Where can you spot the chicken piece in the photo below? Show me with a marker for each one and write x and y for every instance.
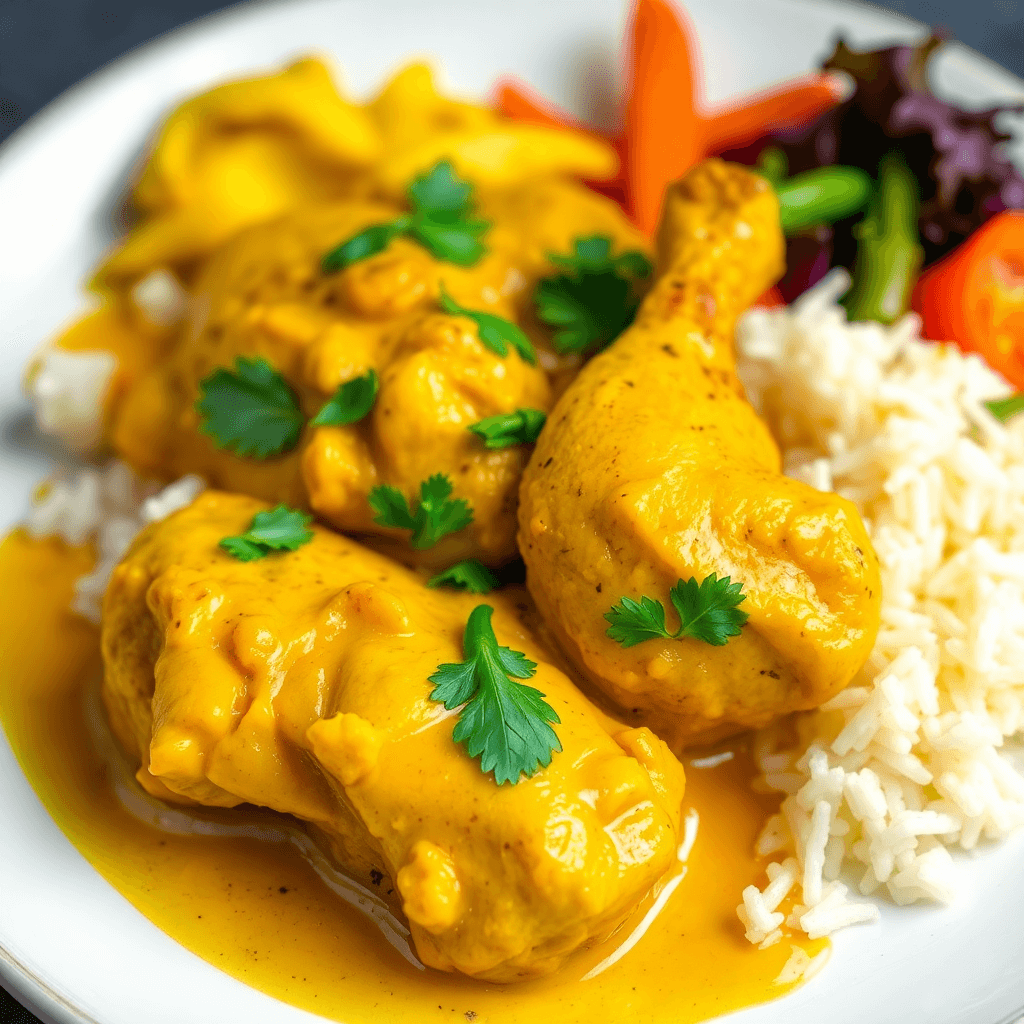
(265, 294)
(300, 682)
(419, 126)
(242, 153)
(247, 151)
(653, 468)
(287, 148)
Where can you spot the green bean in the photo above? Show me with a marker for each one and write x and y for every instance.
(773, 164)
(822, 196)
(889, 253)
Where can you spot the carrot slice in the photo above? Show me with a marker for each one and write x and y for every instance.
(771, 299)
(664, 136)
(666, 132)
(518, 101)
(781, 108)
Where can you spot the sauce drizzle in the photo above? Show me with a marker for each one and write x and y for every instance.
(240, 889)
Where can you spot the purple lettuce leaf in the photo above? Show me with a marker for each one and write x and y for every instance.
(956, 155)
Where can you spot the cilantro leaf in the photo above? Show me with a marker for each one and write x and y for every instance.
(441, 203)
(633, 622)
(457, 242)
(593, 255)
(1004, 408)
(590, 255)
(440, 221)
(441, 515)
(437, 514)
(278, 529)
(503, 722)
(634, 264)
(250, 410)
(455, 684)
(391, 507)
(495, 332)
(469, 575)
(590, 312)
(440, 194)
(707, 611)
(507, 429)
(370, 241)
(351, 402)
(593, 301)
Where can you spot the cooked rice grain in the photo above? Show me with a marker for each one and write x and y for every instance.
(108, 506)
(909, 760)
(67, 391)
(160, 298)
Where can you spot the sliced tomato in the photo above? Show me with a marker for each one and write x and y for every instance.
(975, 295)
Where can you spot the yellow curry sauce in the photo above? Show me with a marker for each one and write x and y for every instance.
(654, 468)
(259, 911)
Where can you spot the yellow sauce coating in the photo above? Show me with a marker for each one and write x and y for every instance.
(654, 468)
(258, 910)
(263, 295)
(301, 683)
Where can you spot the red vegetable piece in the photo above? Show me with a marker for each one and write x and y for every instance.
(518, 101)
(783, 108)
(975, 295)
(772, 299)
(664, 136)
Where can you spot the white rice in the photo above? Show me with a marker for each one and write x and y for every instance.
(66, 390)
(160, 298)
(108, 506)
(909, 761)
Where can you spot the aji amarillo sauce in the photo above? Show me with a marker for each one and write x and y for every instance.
(259, 911)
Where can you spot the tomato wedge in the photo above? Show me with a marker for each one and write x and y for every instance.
(975, 295)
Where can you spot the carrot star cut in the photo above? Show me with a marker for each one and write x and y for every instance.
(668, 126)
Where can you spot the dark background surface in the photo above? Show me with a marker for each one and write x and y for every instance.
(48, 45)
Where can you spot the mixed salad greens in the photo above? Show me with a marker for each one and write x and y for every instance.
(940, 176)
(914, 195)
(963, 177)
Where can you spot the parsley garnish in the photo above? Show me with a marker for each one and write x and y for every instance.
(436, 515)
(707, 611)
(440, 221)
(1004, 408)
(279, 529)
(350, 403)
(495, 332)
(372, 240)
(502, 721)
(250, 410)
(594, 301)
(593, 255)
(507, 429)
(469, 575)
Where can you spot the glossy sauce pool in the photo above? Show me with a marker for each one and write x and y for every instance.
(259, 911)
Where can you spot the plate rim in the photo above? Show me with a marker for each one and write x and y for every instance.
(21, 980)
(54, 108)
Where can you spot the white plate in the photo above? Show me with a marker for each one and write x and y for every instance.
(69, 944)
